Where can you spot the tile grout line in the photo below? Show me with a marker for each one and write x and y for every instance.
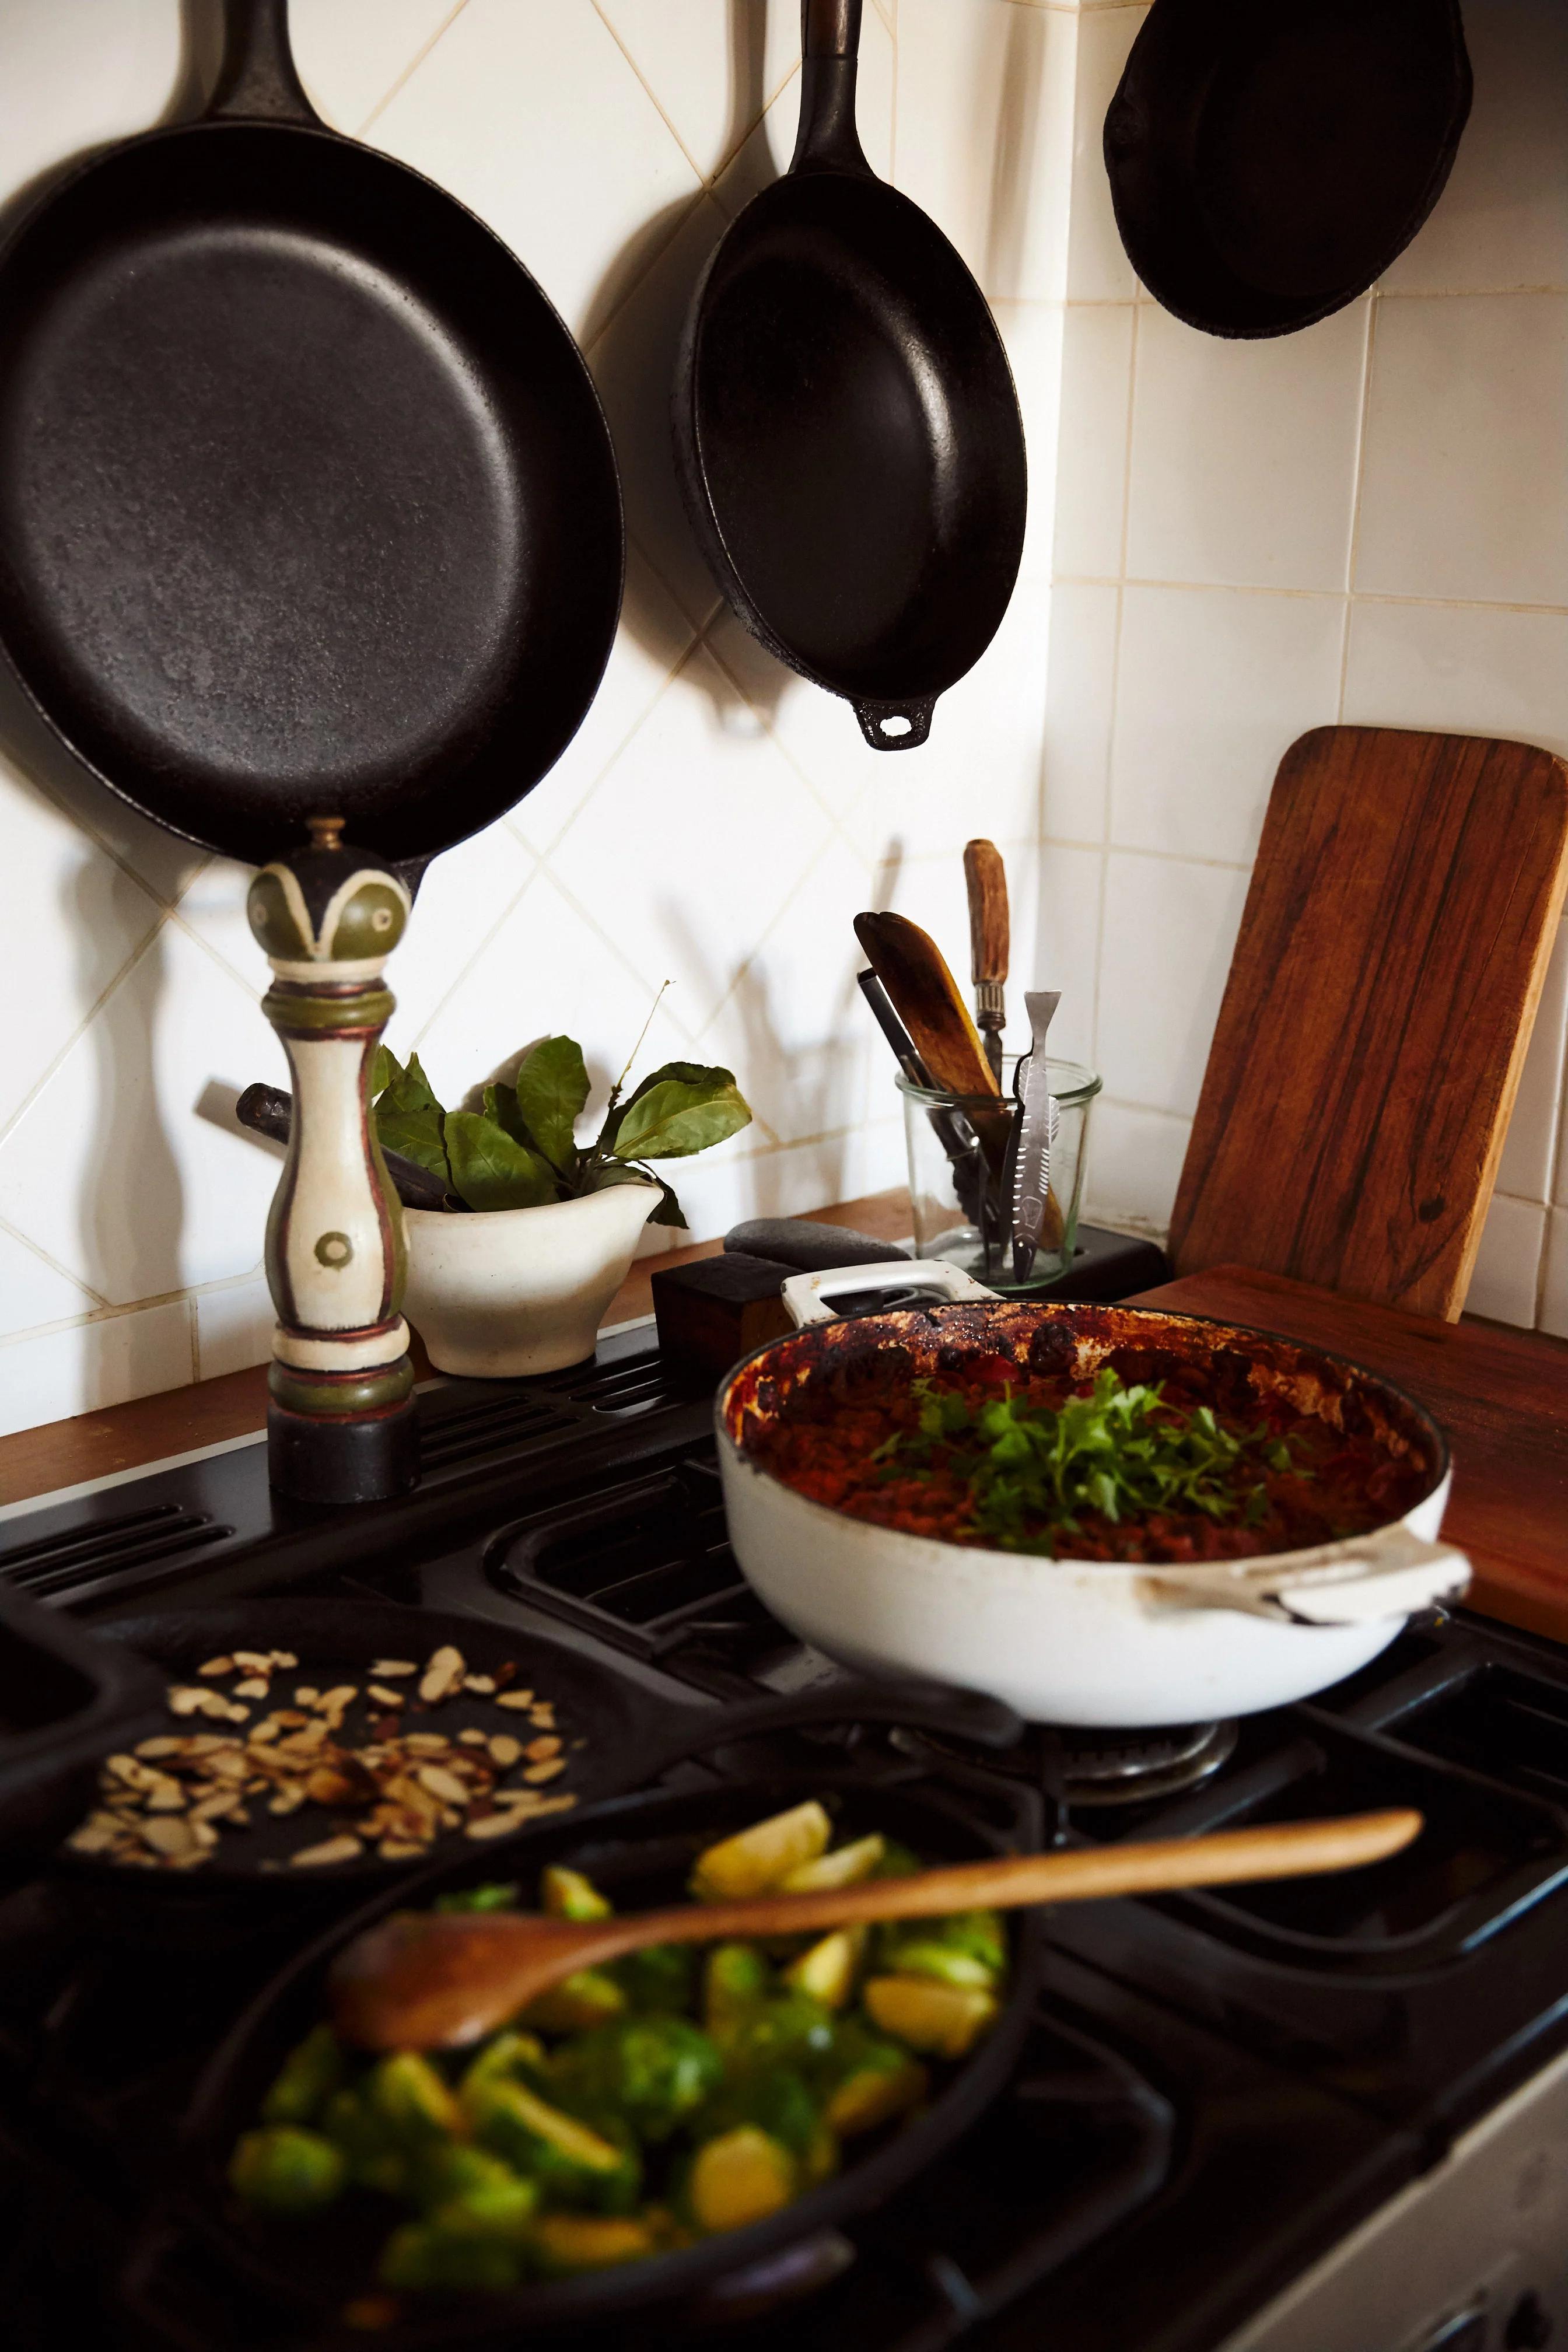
(411, 69)
(8, 1126)
(36, 1249)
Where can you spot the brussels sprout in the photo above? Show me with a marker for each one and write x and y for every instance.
(967, 1948)
(422, 2255)
(288, 2169)
(577, 2003)
(454, 2168)
(652, 2070)
(311, 2071)
(741, 2177)
(846, 1867)
(735, 1979)
(882, 2082)
(491, 2209)
(567, 1894)
(375, 2158)
(660, 1980)
(572, 2163)
(504, 2058)
(791, 2029)
(492, 1896)
(404, 2090)
(564, 2243)
(756, 1859)
(898, 1860)
(943, 2019)
(827, 1971)
(779, 2102)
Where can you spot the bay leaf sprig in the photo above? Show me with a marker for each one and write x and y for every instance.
(520, 1150)
(1033, 1472)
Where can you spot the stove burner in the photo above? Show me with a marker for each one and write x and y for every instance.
(1095, 1769)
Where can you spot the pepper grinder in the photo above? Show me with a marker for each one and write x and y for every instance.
(341, 1424)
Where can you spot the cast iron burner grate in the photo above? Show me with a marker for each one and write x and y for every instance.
(1088, 1769)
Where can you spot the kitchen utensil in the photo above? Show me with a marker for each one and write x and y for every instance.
(926, 997)
(367, 562)
(613, 1741)
(270, 1111)
(1035, 1214)
(892, 1028)
(985, 877)
(363, 569)
(956, 1134)
(433, 1982)
(639, 1851)
(806, 1242)
(68, 1699)
(1065, 1641)
(1268, 164)
(847, 432)
(1402, 909)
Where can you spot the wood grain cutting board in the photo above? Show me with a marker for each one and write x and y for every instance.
(1391, 952)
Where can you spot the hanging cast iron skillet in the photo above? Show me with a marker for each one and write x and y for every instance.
(307, 502)
(847, 431)
(617, 1736)
(640, 1850)
(1268, 163)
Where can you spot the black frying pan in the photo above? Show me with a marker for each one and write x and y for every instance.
(307, 501)
(617, 1736)
(640, 1850)
(847, 431)
(1269, 163)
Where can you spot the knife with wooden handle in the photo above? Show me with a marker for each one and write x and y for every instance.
(986, 877)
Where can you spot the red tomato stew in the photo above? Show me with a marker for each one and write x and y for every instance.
(1140, 1454)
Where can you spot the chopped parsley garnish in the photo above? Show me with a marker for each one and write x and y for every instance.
(1120, 1452)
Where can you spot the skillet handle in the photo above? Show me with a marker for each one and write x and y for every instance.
(1359, 1582)
(827, 140)
(966, 1714)
(257, 81)
(896, 726)
(830, 29)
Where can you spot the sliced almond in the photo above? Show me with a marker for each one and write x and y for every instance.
(307, 1695)
(186, 1701)
(548, 1771)
(341, 1696)
(385, 1697)
(519, 1701)
(427, 1743)
(471, 1738)
(217, 1666)
(442, 1676)
(284, 1660)
(168, 1835)
(490, 1825)
(254, 1662)
(505, 1750)
(538, 1749)
(95, 1836)
(254, 1686)
(482, 1685)
(288, 1798)
(168, 1798)
(443, 1784)
(338, 1849)
(171, 1745)
(393, 1849)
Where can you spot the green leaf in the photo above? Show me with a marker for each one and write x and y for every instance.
(382, 1070)
(500, 1104)
(602, 1174)
(673, 1116)
(409, 1118)
(491, 1169)
(551, 1088)
(689, 1074)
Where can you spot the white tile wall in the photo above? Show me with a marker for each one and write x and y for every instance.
(1369, 521)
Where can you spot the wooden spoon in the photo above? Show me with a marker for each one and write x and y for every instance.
(930, 1003)
(427, 1981)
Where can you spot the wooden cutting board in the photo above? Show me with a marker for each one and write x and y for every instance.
(1394, 940)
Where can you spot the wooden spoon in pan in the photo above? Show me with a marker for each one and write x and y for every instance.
(928, 1002)
(425, 1981)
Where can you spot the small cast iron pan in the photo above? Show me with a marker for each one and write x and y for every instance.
(68, 1699)
(847, 432)
(307, 502)
(640, 1850)
(1268, 163)
(617, 1736)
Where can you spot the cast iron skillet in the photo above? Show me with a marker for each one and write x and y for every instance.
(627, 1735)
(847, 432)
(1268, 163)
(307, 501)
(640, 1850)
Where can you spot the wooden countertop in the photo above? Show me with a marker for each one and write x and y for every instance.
(206, 1412)
(1501, 1394)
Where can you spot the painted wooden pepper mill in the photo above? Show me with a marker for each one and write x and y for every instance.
(341, 1424)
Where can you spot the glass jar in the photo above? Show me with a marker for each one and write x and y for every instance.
(956, 1199)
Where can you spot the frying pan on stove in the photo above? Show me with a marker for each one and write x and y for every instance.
(847, 432)
(640, 1850)
(307, 501)
(1267, 163)
(617, 1736)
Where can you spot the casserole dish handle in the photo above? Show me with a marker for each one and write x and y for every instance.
(1389, 1573)
(808, 1298)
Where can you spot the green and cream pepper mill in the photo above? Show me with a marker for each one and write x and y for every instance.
(341, 1424)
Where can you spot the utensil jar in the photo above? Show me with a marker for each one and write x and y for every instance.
(963, 1218)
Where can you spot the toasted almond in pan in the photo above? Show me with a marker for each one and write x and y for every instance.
(519, 1701)
(253, 1686)
(504, 1749)
(398, 1849)
(217, 1666)
(472, 1739)
(169, 1747)
(538, 1749)
(383, 1697)
(490, 1825)
(442, 1676)
(390, 1667)
(168, 1835)
(307, 1695)
(445, 1785)
(338, 1849)
(426, 1743)
(289, 1800)
(284, 1659)
(546, 1771)
(254, 1662)
(480, 1685)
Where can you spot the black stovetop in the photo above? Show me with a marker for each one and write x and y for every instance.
(1218, 2088)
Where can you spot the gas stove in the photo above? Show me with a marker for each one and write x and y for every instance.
(1321, 2116)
